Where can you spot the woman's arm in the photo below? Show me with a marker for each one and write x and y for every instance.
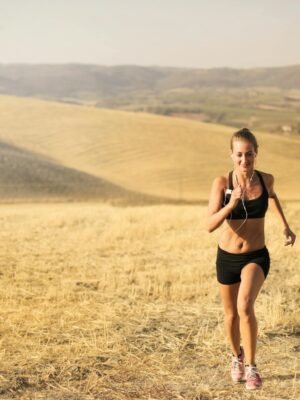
(274, 203)
(217, 214)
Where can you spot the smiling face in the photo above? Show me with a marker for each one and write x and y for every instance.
(243, 155)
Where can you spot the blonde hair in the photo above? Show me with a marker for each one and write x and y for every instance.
(244, 134)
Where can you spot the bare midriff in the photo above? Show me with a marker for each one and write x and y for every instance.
(249, 237)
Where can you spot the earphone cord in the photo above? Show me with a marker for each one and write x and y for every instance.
(243, 203)
(244, 221)
(246, 216)
(225, 227)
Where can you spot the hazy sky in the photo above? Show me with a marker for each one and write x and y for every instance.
(190, 33)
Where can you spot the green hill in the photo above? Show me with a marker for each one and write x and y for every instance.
(261, 98)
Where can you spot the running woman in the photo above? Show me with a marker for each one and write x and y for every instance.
(240, 199)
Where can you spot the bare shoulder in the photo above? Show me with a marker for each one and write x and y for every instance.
(216, 195)
(268, 180)
(220, 182)
(219, 185)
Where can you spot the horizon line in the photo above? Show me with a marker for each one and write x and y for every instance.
(50, 63)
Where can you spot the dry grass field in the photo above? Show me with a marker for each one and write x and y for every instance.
(117, 303)
(111, 303)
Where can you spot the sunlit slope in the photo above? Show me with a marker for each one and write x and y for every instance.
(152, 154)
(25, 175)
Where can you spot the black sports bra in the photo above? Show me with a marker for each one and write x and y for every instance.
(256, 208)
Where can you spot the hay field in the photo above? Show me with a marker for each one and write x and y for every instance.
(156, 155)
(101, 302)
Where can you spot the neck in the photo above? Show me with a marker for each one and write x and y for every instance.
(244, 177)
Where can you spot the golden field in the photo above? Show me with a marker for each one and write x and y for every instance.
(155, 155)
(111, 303)
(116, 303)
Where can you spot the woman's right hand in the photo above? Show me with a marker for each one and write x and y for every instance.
(235, 196)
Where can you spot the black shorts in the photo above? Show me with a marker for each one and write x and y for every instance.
(230, 265)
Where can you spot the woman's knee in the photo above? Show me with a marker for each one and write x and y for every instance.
(246, 307)
(231, 316)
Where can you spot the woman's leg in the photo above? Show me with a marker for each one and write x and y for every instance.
(229, 294)
(252, 279)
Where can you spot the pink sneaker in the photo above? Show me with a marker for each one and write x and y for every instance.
(253, 379)
(237, 368)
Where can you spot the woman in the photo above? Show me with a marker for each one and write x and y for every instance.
(240, 199)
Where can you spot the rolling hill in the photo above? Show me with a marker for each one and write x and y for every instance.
(266, 99)
(71, 80)
(153, 155)
(30, 176)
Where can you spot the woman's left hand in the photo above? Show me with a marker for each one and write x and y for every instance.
(290, 237)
